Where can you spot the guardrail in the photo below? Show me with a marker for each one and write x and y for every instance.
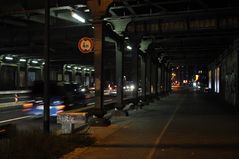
(14, 92)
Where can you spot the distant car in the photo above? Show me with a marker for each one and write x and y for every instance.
(110, 90)
(36, 107)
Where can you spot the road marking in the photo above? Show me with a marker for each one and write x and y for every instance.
(14, 119)
(159, 138)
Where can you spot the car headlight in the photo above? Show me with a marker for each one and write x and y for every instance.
(132, 87)
(82, 90)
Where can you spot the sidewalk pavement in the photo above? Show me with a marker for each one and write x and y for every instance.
(100, 133)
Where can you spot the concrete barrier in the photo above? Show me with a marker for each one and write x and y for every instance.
(72, 122)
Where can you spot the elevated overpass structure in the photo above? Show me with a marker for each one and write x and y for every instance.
(142, 41)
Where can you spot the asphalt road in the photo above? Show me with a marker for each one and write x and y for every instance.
(14, 114)
(186, 124)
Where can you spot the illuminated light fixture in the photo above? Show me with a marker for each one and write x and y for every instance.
(129, 47)
(68, 66)
(81, 5)
(22, 60)
(77, 17)
(75, 67)
(93, 27)
(197, 77)
(43, 63)
(35, 62)
(93, 70)
(126, 38)
(79, 68)
(8, 58)
(85, 69)
(87, 10)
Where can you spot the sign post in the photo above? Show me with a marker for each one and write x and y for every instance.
(85, 45)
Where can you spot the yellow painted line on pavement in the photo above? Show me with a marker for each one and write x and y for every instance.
(159, 138)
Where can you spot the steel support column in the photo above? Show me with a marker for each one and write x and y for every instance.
(98, 62)
(159, 79)
(135, 71)
(156, 79)
(148, 77)
(153, 78)
(119, 74)
(0, 73)
(98, 9)
(18, 76)
(143, 77)
(46, 122)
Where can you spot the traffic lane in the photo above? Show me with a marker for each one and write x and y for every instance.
(137, 138)
(12, 115)
(24, 120)
(204, 127)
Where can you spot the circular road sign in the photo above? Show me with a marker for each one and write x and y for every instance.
(85, 45)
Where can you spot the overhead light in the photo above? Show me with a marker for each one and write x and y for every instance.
(68, 66)
(93, 27)
(86, 10)
(77, 17)
(129, 47)
(81, 5)
(126, 38)
(22, 60)
(8, 58)
(35, 62)
(43, 63)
